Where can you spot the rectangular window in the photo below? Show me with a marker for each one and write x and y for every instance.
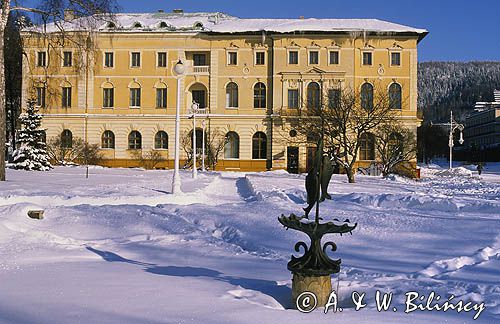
(293, 57)
(162, 59)
(40, 96)
(108, 98)
(334, 57)
(66, 97)
(199, 60)
(334, 98)
(232, 58)
(313, 57)
(135, 59)
(135, 97)
(67, 59)
(161, 98)
(293, 98)
(42, 59)
(260, 58)
(367, 58)
(396, 59)
(109, 59)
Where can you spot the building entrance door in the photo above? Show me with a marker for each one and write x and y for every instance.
(292, 158)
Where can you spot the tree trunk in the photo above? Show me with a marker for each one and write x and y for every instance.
(350, 174)
(2, 106)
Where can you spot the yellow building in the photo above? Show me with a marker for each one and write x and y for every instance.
(119, 89)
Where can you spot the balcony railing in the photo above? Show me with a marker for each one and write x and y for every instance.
(200, 69)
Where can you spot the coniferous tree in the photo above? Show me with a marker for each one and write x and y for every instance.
(31, 153)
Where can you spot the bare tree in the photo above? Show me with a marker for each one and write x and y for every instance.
(149, 159)
(342, 117)
(396, 147)
(47, 11)
(214, 147)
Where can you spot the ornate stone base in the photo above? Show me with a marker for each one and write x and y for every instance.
(320, 286)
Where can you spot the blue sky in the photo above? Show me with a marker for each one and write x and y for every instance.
(459, 30)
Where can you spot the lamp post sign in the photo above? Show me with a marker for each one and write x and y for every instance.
(453, 125)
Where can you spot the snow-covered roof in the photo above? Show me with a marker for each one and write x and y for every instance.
(217, 22)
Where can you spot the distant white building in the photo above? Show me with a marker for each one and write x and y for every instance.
(482, 128)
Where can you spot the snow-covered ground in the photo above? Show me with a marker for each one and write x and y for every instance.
(119, 248)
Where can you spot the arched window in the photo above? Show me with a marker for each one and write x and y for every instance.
(367, 96)
(367, 147)
(137, 25)
(395, 96)
(259, 95)
(163, 24)
(134, 140)
(108, 140)
(66, 139)
(161, 140)
(313, 96)
(259, 146)
(232, 95)
(232, 146)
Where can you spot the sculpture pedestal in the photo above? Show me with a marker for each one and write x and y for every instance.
(320, 286)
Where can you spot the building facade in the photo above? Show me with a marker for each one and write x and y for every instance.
(482, 131)
(120, 90)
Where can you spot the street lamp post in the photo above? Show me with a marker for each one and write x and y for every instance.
(176, 180)
(453, 127)
(203, 146)
(194, 109)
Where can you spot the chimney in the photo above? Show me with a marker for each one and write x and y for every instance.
(301, 17)
(178, 11)
(69, 14)
(161, 10)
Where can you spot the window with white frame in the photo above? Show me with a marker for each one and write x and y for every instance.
(108, 140)
(313, 57)
(260, 58)
(135, 59)
(367, 58)
(161, 140)
(293, 98)
(232, 146)
(40, 96)
(232, 95)
(108, 97)
(42, 59)
(162, 59)
(293, 57)
(232, 58)
(395, 58)
(67, 59)
(109, 59)
(66, 97)
(334, 57)
(161, 98)
(259, 95)
(135, 97)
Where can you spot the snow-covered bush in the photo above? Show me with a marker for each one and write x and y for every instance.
(31, 153)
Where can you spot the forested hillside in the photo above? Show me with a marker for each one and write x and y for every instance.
(456, 85)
